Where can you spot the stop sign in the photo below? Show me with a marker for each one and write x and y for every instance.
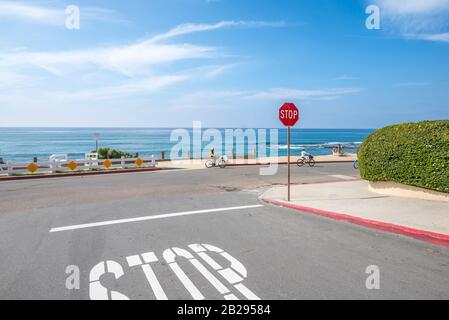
(289, 114)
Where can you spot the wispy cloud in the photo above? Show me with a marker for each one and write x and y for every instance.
(188, 28)
(417, 7)
(438, 37)
(131, 59)
(412, 84)
(301, 94)
(52, 15)
(232, 98)
(126, 89)
(417, 19)
(345, 78)
(112, 73)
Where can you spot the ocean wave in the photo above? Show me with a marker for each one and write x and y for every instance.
(319, 146)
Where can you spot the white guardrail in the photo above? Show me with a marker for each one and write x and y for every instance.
(63, 164)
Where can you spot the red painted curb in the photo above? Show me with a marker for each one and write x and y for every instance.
(82, 174)
(427, 236)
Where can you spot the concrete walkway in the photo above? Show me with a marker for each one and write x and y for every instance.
(200, 164)
(352, 200)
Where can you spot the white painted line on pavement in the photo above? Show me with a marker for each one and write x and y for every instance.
(343, 177)
(246, 292)
(147, 218)
(154, 283)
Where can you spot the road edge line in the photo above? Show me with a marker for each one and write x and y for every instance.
(77, 174)
(427, 236)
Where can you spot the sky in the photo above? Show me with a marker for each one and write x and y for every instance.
(227, 63)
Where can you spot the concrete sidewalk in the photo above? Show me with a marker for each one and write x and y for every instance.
(200, 164)
(352, 201)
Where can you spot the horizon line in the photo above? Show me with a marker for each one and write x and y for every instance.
(186, 127)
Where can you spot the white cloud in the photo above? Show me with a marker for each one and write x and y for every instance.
(300, 94)
(418, 7)
(188, 28)
(26, 12)
(129, 60)
(345, 78)
(124, 90)
(10, 79)
(438, 37)
(106, 76)
(412, 84)
(417, 19)
(242, 98)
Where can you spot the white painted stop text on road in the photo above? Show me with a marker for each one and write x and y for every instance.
(227, 280)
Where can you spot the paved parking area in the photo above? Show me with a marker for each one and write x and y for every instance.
(197, 235)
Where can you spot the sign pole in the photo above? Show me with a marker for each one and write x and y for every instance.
(289, 116)
(96, 137)
(289, 168)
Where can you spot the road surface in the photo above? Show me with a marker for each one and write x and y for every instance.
(198, 234)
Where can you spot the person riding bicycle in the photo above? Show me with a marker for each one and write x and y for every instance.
(212, 154)
(306, 155)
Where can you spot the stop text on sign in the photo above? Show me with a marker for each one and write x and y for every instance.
(289, 114)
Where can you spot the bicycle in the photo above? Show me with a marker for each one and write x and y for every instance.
(220, 162)
(303, 161)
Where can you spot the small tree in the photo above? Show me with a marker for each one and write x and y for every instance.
(108, 153)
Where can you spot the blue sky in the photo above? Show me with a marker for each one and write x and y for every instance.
(227, 63)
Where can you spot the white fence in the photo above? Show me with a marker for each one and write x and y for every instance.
(63, 164)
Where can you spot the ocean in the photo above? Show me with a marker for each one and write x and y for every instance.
(23, 144)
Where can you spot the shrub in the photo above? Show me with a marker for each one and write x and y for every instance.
(415, 154)
(108, 153)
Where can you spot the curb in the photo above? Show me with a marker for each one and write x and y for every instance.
(81, 174)
(427, 236)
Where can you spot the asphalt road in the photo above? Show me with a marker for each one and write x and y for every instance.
(252, 251)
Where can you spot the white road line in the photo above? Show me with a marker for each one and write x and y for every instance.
(188, 284)
(246, 292)
(343, 177)
(147, 218)
(154, 283)
(209, 276)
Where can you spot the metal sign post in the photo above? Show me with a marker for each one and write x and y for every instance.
(96, 137)
(289, 116)
(289, 165)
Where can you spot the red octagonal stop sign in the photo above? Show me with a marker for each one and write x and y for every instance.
(289, 114)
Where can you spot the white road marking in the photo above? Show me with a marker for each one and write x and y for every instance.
(209, 276)
(246, 292)
(98, 292)
(169, 257)
(148, 257)
(154, 283)
(231, 276)
(147, 218)
(343, 177)
(96, 289)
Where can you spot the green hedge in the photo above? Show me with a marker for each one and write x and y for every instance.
(415, 154)
(108, 153)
